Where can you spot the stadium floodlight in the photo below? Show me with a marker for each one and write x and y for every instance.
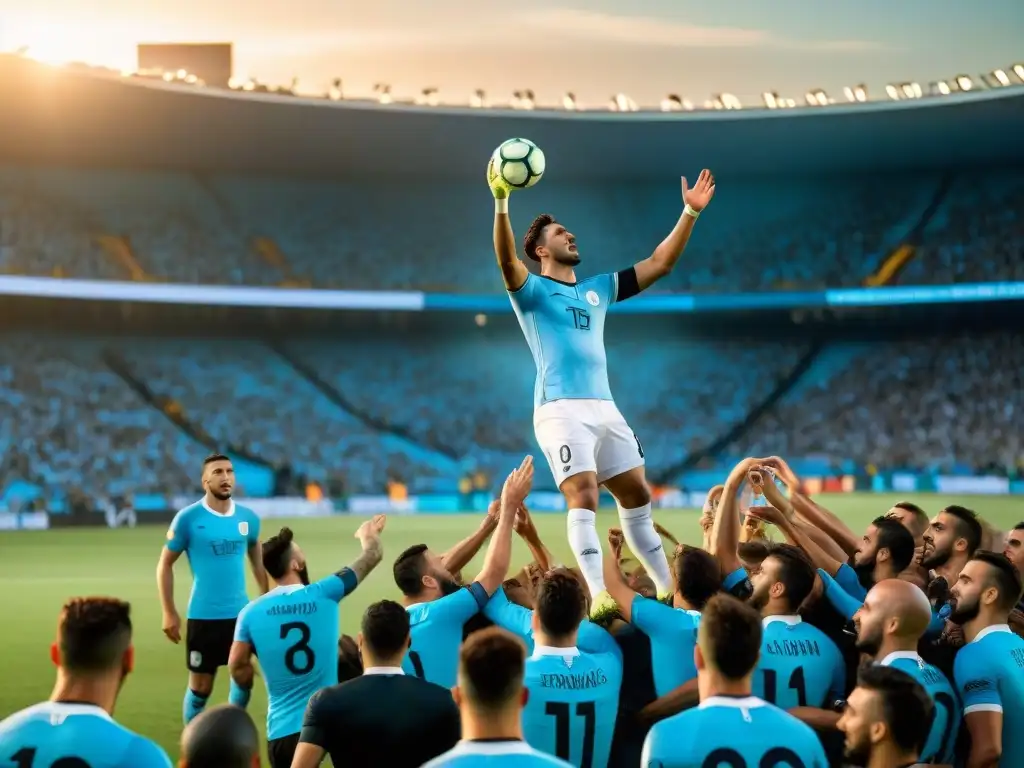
(622, 103)
(672, 103)
(523, 100)
(911, 90)
(382, 92)
(728, 101)
(856, 93)
(939, 88)
(688, 105)
(478, 99)
(816, 98)
(429, 97)
(1018, 70)
(771, 99)
(964, 82)
(335, 92)
(569, 102)
(892, 91)
(1000, 77)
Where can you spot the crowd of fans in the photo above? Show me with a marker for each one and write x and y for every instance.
(176, 227)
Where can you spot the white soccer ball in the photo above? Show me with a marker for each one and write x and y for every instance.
(520, 163)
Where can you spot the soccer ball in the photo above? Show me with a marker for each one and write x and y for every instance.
(520, 163)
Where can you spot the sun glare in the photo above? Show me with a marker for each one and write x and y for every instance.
(65, 43)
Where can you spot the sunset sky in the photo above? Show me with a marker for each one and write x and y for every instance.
(645, 48)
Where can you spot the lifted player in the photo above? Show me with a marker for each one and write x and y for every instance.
(585, 439)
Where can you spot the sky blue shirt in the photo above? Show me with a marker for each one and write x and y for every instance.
(495, 754)
(941, 743)
(436, 632)
(989, 674)
(294, 630)
(40, 736)
(728, 731)
(673, 635)
(216, 546)
(564, 327)
(800, 666)
(573, 697)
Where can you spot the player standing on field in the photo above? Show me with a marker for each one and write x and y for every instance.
(217, 535)
(585, 439)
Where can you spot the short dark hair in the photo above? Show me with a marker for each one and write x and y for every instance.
(93, 634)
(1019, 526)
(535, 234)
(796, 573)
(730, 636)
(906, 706)
(1004, 577)
(909, 506)
(215, 457)
(698, 575)
(491, 667)
(409, 570)
(350, 665)
(560, 603)
(754, 551)
(385, 628)
(222, 737)
(277, 553)
(968, 526)
(893, 536)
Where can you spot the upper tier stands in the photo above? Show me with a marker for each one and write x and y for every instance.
(759, 234)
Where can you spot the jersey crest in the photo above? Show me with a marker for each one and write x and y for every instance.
(592, 298)
(243, 528)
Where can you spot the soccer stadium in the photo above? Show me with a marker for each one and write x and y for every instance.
(327, 317)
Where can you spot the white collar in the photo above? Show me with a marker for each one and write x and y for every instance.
(990, 630)
(229, 513)
(790, 620)
(509, 747)
(383, 671)
(896, 655)
(60, 709)
(548, 650)
(747, 702)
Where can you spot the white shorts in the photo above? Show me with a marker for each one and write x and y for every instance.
(586, 436)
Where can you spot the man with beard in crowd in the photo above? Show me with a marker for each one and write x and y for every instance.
(989, 669)
(914, 519)
(438, 607)
(890, 626)
(886, 719)
(951, 540)
(294, 628)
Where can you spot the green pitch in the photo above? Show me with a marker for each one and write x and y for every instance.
(40, 570)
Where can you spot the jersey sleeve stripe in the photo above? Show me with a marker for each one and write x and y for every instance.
(476, 589)
(348, 579)
(983, 708)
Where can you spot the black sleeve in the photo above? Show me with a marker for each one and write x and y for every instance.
(629, 286)
(315, 725)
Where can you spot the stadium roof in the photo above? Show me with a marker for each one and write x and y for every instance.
(64, 116)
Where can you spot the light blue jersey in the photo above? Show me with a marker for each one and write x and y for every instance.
(216, 546)
(989, 674)
(673, 635)
(495, 754)
(800, 666)
(564, 326)
(573, 692)
(727, 731)
(941, 743)
(294, 630)
(75, 736)
(436, 633)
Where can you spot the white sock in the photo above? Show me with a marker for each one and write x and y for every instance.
(586, 546)
(644, 541)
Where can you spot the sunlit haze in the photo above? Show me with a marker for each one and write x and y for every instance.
(646, 48)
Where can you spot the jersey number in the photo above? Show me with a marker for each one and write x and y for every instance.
(945, 701)
(796, 682)
(417, 664)
(561, 713)
(580, 318)
(24, 758)
(733, 759)
(301, 647)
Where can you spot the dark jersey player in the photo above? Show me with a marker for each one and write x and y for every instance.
(217, 535)
(94, 655)
(584, 438)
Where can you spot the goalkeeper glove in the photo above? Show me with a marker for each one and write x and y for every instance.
(499, 187)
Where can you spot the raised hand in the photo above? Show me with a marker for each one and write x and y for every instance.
(615, 540)
(766, 514)
(517, 486)
(372, 528)
(499, 187)
(523, 524)
(702, 192)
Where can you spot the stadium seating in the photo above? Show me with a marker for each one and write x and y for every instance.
(759, 234)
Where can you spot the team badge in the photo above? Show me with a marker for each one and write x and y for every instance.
(195, 658)
(243, 528)
(593, 299)
(170, 534)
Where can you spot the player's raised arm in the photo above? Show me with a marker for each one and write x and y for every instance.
(513, 271)
(665, 256)
(373, 551)
(499, 551)
(456, 558)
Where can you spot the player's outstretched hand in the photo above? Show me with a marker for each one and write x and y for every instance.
(615, 539)
(172, 626)
(372, 528)
(517, 487)
(499, 187)
(702, 192)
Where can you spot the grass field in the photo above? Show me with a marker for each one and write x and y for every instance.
(40, 570)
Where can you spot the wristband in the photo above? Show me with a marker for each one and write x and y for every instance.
(501, 205)
(691, 212)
